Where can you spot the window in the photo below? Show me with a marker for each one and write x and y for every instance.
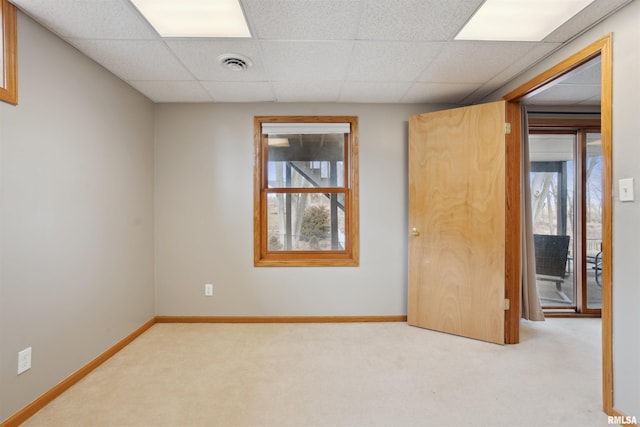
(8, 66)
(306, 191)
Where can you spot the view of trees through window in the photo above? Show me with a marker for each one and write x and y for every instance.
(566, 189)
(311, 223)
(547, 191)
(312, 219)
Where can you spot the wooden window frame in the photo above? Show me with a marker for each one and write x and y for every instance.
(263, 257)
(9, 82)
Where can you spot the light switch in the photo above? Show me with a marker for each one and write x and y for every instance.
(626, 189)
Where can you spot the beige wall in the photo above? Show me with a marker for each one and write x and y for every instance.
(625, 28)
(76, 215)
(204, 217)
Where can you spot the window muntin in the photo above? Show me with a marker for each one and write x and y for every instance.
(306, 191)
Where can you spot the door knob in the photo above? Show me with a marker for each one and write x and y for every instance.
(415, 231)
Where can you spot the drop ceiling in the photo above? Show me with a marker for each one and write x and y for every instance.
(364, 51)
(579, 88)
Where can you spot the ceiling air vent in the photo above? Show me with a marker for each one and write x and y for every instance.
(234, 62)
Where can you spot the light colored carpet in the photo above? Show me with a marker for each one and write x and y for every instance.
(351, 374)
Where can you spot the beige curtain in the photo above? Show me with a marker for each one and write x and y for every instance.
(531, 309)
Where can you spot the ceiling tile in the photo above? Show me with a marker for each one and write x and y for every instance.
(89, 19)
(585, 19)
(466, 62)
(318, 91)
(587, 73)
(303, 20)
(520, 65)
(306, 61)
(562, 94)
(172, 91)
(373, 92)
(240, 91)
(390, 61)
(311, 51)
(438, 93)
(594, 101)
(201, 58)
(427, 20)
(134, 59)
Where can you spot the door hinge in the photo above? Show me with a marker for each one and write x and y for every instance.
(507, 128)
(507, 304)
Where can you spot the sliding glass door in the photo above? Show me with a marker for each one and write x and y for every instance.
(566, 202)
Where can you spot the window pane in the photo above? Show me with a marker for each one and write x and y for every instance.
(553, 206)
(306, 160)
(593, 196)
(305, 222)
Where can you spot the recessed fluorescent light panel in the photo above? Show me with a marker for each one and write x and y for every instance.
(519, 20)
(195, 18)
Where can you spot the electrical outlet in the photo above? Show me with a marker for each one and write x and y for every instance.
(208, 290)
(24, 360)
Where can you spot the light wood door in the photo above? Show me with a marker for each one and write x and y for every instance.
(457, 221)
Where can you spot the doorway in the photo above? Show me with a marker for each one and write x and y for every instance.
(603, 49)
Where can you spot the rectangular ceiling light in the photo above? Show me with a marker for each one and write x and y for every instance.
(519, 20)
(195, 18)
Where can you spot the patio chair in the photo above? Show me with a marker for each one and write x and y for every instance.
(597, 267)
(551, 254)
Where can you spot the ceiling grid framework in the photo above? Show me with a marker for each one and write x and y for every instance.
(373, 51)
